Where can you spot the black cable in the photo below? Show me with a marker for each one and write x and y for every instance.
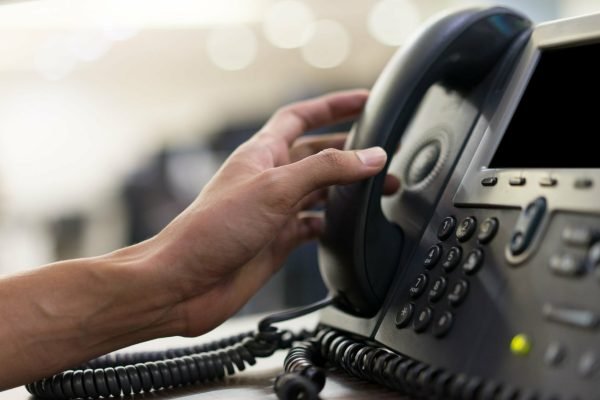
(305, 377)
(124, 374)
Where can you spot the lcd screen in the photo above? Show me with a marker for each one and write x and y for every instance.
(557, 121)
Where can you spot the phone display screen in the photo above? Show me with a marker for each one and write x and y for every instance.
(557, 120)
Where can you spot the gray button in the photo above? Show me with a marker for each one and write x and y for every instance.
(517, 181)
(548, 181)
(575, 317)
(578, 236)
(566, 265)
(588, 364)
(583, 183)
(555, 354)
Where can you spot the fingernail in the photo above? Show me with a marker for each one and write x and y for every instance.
(373, 156)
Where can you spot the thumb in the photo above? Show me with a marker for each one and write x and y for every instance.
(332, 167)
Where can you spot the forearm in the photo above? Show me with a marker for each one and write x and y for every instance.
(63, 314)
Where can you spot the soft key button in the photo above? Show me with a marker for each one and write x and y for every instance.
(576, 317)
(526, 226)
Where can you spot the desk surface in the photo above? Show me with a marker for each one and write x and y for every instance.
(254, 383)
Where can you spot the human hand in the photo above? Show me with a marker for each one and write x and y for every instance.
(248, 218)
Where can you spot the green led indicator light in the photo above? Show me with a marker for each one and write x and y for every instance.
(520, 345)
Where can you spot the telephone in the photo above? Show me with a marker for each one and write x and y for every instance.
(480, 278)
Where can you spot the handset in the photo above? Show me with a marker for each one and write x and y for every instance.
(360, 250)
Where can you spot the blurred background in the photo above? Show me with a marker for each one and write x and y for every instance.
(115, 113)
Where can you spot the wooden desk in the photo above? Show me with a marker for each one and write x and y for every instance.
(254, 383)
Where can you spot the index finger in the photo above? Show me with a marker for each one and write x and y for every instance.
(293, 120)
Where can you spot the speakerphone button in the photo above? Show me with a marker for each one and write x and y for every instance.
(423, 319)
(446, 228)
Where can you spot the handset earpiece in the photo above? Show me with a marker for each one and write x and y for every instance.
(360, 250)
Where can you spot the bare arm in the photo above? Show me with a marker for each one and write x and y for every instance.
(202, 267)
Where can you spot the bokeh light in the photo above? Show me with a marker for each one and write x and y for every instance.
(328, 46)
(287, 24)
(392, 21)
(232, 48)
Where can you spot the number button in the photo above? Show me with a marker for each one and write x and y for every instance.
(446, 228)
(433, 256)
(437, 289)
(458, 292)
(452, 258)
(465, 229)
(418, 286)
(487, 230)
(404, 315)
(473, 261)
(443, 324)
(423, 319)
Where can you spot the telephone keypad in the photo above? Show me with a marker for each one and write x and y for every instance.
(423, 319)
(418, 286)
(433, 256)
(473, 261)
(452, 258)
(446, 228)
(466, 229)
(437, 289)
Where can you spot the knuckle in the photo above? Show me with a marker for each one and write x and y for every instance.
(332, 157)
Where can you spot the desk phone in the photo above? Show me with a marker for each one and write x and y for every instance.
(480, 278)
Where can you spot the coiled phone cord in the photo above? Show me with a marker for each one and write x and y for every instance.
(114, 374)
(305, 377)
